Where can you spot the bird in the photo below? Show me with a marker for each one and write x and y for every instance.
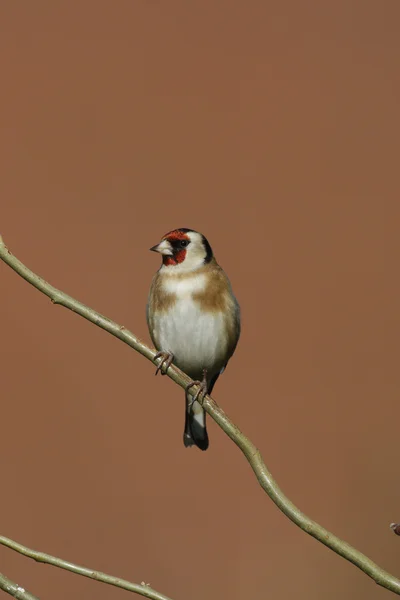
(193, 319)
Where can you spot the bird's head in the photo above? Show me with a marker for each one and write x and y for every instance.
(184, 250)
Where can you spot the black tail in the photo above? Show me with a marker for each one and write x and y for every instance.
(195, 433)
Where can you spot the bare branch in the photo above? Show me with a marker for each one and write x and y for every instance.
(264, 477)
(15, 590)
(142, 589)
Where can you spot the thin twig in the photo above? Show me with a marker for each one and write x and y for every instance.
(15, 590)
(143, 589)
(264, 477)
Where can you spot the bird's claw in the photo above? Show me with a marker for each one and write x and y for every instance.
(203, 387)
(167, 358)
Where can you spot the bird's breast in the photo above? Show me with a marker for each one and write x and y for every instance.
(197, 338)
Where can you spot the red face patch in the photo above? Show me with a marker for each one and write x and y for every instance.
(177, 234)
(177, 258)
(174, 237)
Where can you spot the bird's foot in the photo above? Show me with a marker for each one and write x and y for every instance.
(203, 387)
(167, 358)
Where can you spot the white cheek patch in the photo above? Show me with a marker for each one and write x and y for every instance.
(194, 237)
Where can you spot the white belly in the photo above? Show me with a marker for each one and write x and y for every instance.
(196, 338)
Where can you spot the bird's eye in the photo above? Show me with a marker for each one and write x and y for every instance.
(184, 243)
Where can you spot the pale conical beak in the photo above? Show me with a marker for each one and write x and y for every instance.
(163, 247)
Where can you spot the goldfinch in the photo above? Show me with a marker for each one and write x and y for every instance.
(193, 319)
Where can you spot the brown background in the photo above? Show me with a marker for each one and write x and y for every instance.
(273, 128)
